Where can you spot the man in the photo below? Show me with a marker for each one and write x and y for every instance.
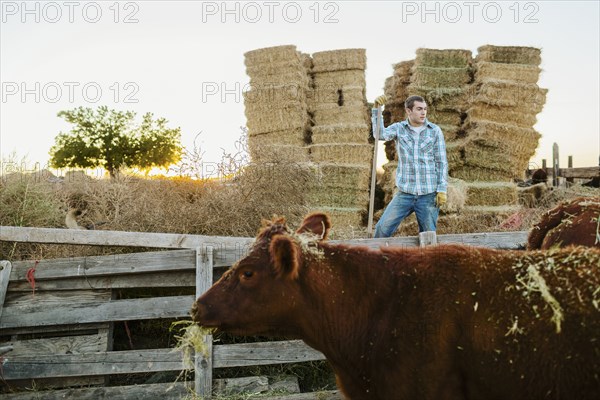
(422, 174)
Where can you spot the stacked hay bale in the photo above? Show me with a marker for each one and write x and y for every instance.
(499, 124)
(340, 149)
(500, 138)
(276, 107)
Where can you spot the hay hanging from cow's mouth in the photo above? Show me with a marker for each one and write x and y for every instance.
(190, 341)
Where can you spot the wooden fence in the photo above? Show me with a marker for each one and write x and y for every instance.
(569, 173)
(62, 331)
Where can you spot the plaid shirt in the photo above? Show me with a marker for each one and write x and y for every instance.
(422, 163)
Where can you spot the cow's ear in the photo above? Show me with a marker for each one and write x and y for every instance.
(316, 223)
(285, 256)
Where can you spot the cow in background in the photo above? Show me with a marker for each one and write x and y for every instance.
(575, 222)
(443, 322)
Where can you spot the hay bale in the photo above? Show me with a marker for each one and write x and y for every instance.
(351, 77)
(436, 77)
(455, 153)
(293, 137)
(341, 133)
(442, 99)
(489, 157)
(403, 70)
(482, 111)
(307, 61)
(275, 94)
(272, 55)
(355, 176)
(511, 94)
(470, 172)
(447, 117)
(282, 73)
(522, 73)
(451, 132)
(338, 60)
(491, 193)
(342, 153)
(343, 218)
(457, 196)
(320, 196)
(509, 54)
(388, 180)
(337, 95)
(349, 113)
(267, 153)
(449, 58)
(510, 139)
(290, 116)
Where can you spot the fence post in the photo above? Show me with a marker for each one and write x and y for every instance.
(570, 165)
(202, 364)
(555, 167)
(5, 269)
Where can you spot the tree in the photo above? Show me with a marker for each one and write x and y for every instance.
(109, 139)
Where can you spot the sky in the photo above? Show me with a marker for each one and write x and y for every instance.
(184, 60)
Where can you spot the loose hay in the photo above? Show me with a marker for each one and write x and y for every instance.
(190, 341)
(341, 133)
(342, 153)
(509, 54)
(456, 58)
(338, 60)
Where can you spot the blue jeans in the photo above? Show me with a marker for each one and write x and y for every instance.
(401, 206)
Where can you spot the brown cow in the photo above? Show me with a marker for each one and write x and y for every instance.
(576, 222)
(443, 322)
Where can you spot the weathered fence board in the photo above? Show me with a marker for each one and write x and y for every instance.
(60, 345)
(118, 310)
(5, 272)
(582, 172)
(118, 264)
(155, 360)
(130, 281)
(120, 238)
(156, 391)
(247, 354)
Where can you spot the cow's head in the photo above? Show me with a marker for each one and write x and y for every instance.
(261, 293)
